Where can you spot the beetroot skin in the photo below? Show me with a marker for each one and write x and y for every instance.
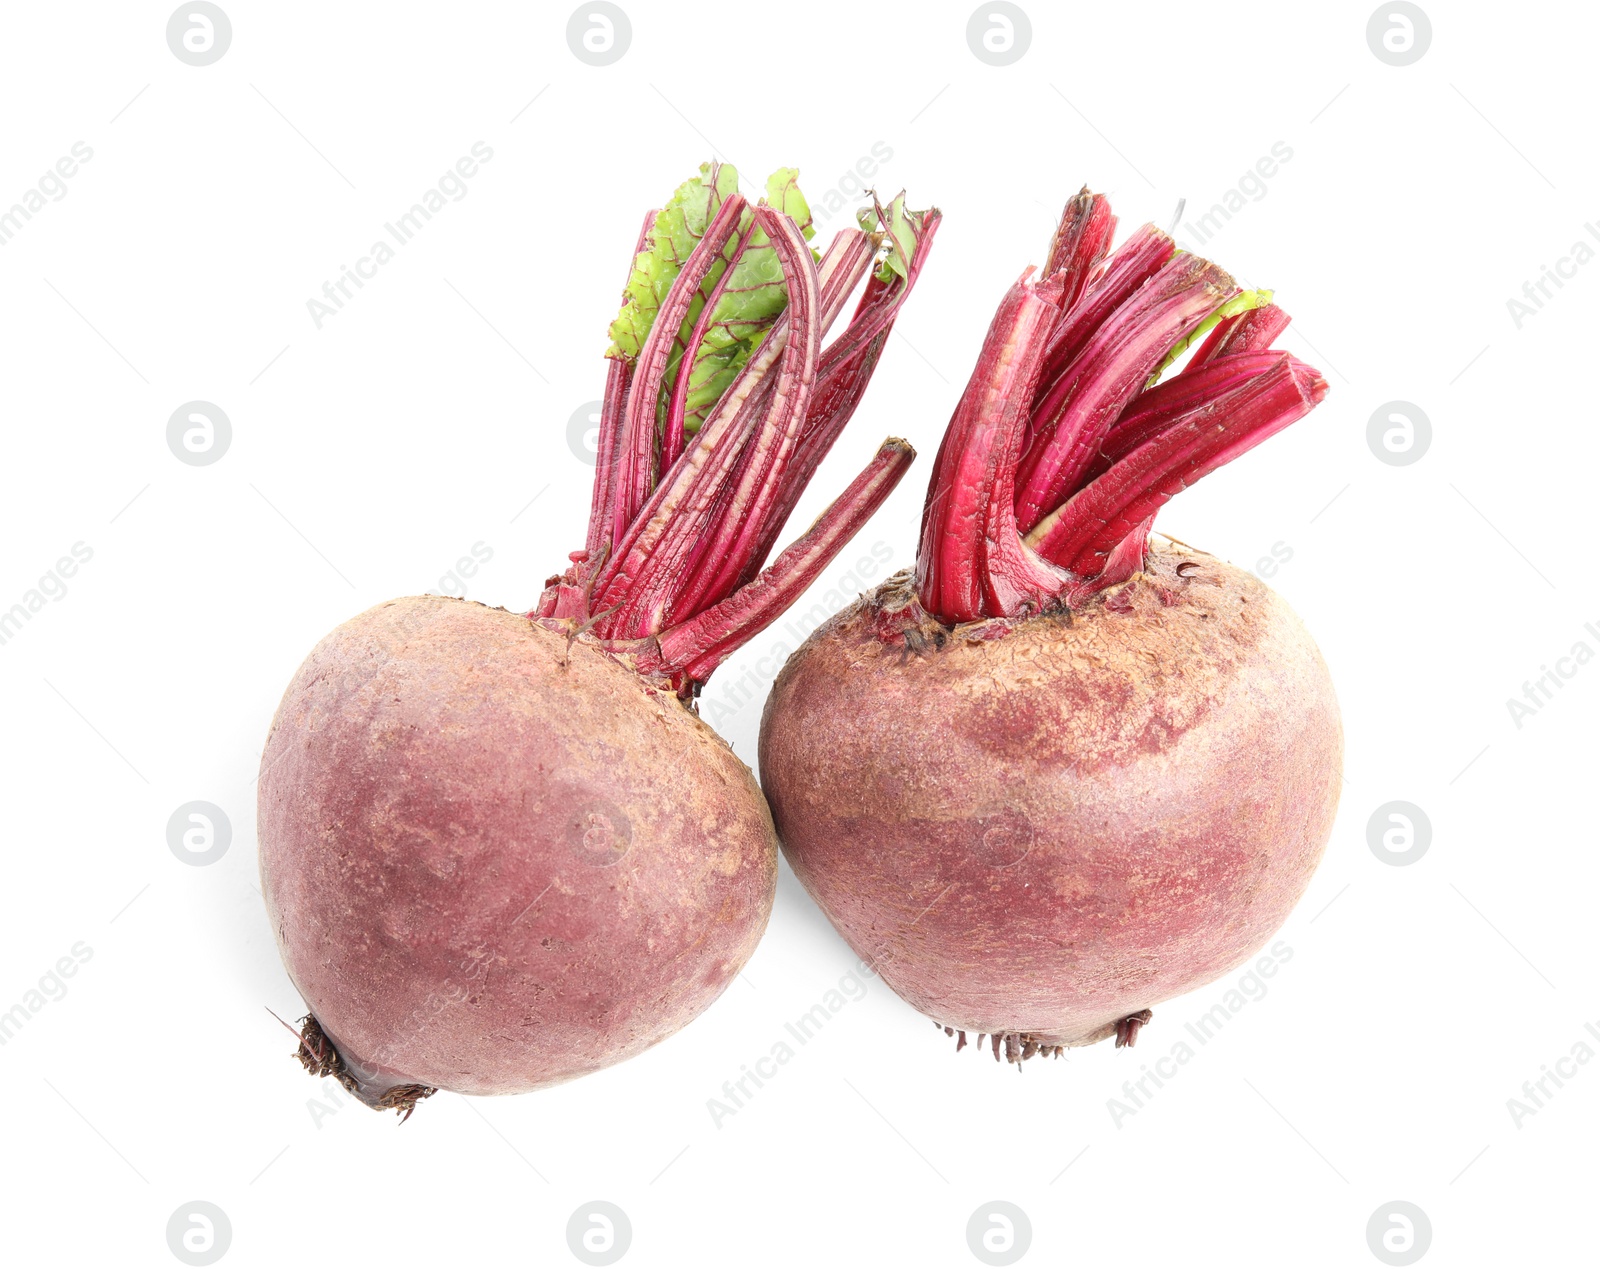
(500, 850)
(1058, 775)
(493, 858)
(1036, 828)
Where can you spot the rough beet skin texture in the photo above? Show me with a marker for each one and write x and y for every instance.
(501, 850)
(495, 858)
(1036, 828)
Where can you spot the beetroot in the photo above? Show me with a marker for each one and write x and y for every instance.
(501, 850)
(1059, 775)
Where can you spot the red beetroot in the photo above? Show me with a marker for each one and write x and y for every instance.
(1058, 776)
(500, 851)
(477, 881)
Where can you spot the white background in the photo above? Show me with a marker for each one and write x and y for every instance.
(430, 415)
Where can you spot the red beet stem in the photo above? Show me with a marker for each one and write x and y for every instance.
(672, 435)
(1076, 412)
(568, 596)
(641, 434)
(711, 576)
(973, 561)
(613, 421)
(1080, 244)
(1061, 451)
(1250, 331)
(682, 504)
(683, 500)
(732, 539)
(843, 373)
(1132, 264)
(839, 272)
(608, 453)
(701, 644)
(671, 573)
(1081, 534)
(1156, 409)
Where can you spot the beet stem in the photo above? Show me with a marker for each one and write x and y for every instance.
(1079, 409)
(749, 520)
(1082, 532)
(841, 268)
(843, 373)
(1080, 244)
(613, 424)
(674, 551)
(641, 434)
(701, 644)
(1156, 409)
(682, 503)
(1132, 264)
(1250, 331)
(672, 434)
(656, 584)
(608, 453)
(1066, 443)
(837, 276)
(971, 560)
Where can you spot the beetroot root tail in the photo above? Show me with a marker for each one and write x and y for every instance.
(320, 1057)
(1128, 1028)
(1017, 1046)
